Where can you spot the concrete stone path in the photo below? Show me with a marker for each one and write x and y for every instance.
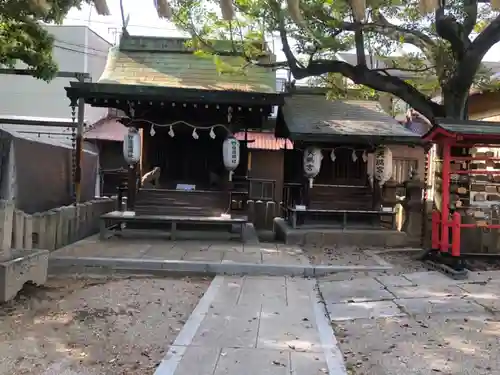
(162, 256)
(417, 323)
(185, 250)
(256, 325)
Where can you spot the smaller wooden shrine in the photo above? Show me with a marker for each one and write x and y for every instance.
(467, 187)
(341, 160)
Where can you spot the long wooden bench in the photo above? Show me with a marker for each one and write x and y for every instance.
(296, 214)
(116, 218)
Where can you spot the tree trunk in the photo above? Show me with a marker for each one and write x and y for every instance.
(455, 104)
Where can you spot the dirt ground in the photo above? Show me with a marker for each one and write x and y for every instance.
(112, 326)
(340, 256)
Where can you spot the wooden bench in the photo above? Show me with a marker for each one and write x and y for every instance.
(295, 214)
(118, 217)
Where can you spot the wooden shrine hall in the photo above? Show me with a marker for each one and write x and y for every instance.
(182, 113)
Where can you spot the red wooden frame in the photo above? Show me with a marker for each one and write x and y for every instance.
(441, 221)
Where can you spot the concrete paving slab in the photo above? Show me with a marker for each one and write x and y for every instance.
(395, 346)
(245, 257)
(235, 327)
(356, 290)
(202, 255)
(426, 291)
(267, 248)
(394, 280)
(266, 291)
(289, 329)
(429, 278)
(192, 245)
(299, 291)
(252, 362)
(164, 251)
(363, 310)
(486, 295)
(284, 258)
(229, 293)
(226, 246)
(105, 249)
(481, 276)
(193, 357)
(307, 364)
(439, 305)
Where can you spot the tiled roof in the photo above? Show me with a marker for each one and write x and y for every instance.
(315, 115)
(470, 126)
(107, 129)
(264, 141)
(165, 62)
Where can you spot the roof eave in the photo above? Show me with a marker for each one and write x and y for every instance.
(364, 139)
(90, 91)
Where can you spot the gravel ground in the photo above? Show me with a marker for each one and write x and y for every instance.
(403, 261)
(112, 326)
(341, 256)
(483, 264)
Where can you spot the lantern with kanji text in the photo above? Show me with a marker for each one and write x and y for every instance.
(132, 146)
(312, 163)
(231, 155)
(383, 164)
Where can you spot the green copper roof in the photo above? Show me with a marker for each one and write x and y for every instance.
(167, 62)
(471, 127)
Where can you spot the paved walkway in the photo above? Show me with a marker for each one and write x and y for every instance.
(417, 323)
(256, 325)
(185, 250)
(163, 256)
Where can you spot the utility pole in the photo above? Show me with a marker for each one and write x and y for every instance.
(79, 143)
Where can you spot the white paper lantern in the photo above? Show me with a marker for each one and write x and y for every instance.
(312, 163)
(383, 164)
(231, 154)
(132, 146)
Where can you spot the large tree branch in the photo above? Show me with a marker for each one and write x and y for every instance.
(470, 19)
(397, 33)
(363, 76)
(449, 29)
(382, 26)
(468, 67)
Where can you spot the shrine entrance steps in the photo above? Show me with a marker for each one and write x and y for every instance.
(328, 235)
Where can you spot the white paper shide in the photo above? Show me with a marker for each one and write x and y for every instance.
(383, 164)
(231, 155)
(312, 163)
(132, 146)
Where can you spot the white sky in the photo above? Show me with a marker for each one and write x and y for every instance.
(145, 21)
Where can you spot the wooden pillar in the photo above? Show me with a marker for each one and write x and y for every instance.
(132, 186)
(377, 194)
(306, 199)
(445, 196)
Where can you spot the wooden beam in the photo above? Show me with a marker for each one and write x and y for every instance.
(19, 120)
(27, 72)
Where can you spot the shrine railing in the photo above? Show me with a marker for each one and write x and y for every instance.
(292, 194)
(261, 189)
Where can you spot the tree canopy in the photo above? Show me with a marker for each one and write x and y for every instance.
(23, 37)
(448, 42)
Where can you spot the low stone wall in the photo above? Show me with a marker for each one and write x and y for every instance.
(55, 228)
